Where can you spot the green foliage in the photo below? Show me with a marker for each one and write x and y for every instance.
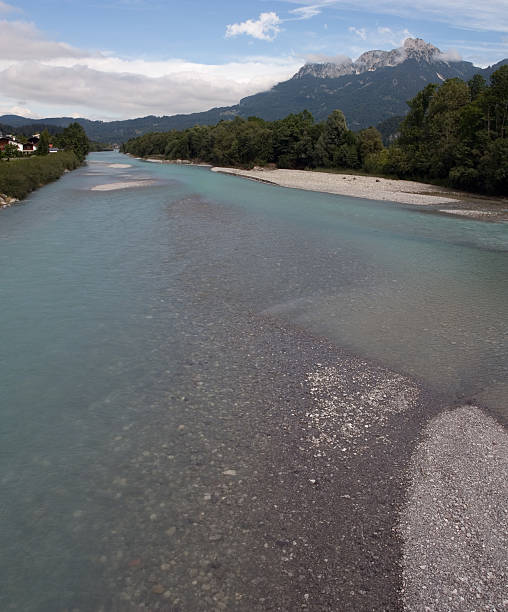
(43, 145)
(95, 147)
(73, 138)
(293, 142)
(369, 142)
(375, 163)
(19, 177)
(477, 86)
(332, 138)
(457, 134)
(10, 151)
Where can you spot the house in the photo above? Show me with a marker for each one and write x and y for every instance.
(5, 141)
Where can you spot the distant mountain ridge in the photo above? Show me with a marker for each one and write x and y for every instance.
(370, 90)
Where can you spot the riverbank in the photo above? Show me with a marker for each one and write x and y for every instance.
(7, 201)
(19, 177)
(373, 188)
(177, 162)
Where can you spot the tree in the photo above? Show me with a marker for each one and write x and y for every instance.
(331, 139)
(43, 144)
(74, 138)
(10, 151)
(477, 85)
(499, 96)
(369, 141)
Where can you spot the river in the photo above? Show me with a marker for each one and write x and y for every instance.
(158, 347)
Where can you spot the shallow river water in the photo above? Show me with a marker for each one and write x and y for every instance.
(154, 347)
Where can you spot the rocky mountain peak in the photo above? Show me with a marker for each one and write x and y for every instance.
(420, 50)
(413, 48)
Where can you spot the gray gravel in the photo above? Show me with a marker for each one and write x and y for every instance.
(454, 527)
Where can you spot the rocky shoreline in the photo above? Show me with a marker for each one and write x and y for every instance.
(7, 201)
(446, 201)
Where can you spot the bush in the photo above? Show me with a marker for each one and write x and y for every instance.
(18, 177)
(464, 178)
(375, 163)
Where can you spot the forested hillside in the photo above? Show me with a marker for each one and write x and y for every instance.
(455, 133)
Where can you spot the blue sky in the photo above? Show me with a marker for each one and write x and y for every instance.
(108, 59)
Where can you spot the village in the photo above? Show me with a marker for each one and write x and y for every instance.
(10, 146)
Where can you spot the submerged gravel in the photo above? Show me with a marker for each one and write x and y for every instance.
(455, 524)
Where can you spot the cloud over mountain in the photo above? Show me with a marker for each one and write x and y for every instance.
(102, 85)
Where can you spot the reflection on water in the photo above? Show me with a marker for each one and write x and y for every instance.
(130, 360)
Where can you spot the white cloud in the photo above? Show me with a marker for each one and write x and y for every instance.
(306, 12)
(129, 94)
(491, 15)
(361, 32)
(452, 55)
(8, 8)
(319, 58)
(17, 109)
(55, 78)
(20, 40)
(389, 36)
(265, 28)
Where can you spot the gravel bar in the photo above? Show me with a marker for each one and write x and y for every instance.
(455, 524)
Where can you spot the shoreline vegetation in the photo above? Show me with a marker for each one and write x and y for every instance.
(454, 137)
(19, 176)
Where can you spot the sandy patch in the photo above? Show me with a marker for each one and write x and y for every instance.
(119, 165)
(125, 185)
(368, 187)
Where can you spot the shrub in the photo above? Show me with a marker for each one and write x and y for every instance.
(18, 177)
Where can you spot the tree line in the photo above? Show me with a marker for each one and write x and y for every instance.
(454, 134)
(296, 141)
(72, 138)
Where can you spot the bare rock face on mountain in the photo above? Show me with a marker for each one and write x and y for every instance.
(414, 48)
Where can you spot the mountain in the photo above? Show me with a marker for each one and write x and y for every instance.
(414, 48)
(370, 90)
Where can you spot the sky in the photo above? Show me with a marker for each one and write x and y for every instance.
(120, 59)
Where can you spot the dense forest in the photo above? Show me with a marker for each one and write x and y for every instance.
(455, 134)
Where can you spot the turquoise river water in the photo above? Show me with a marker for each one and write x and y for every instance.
(120, 311)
